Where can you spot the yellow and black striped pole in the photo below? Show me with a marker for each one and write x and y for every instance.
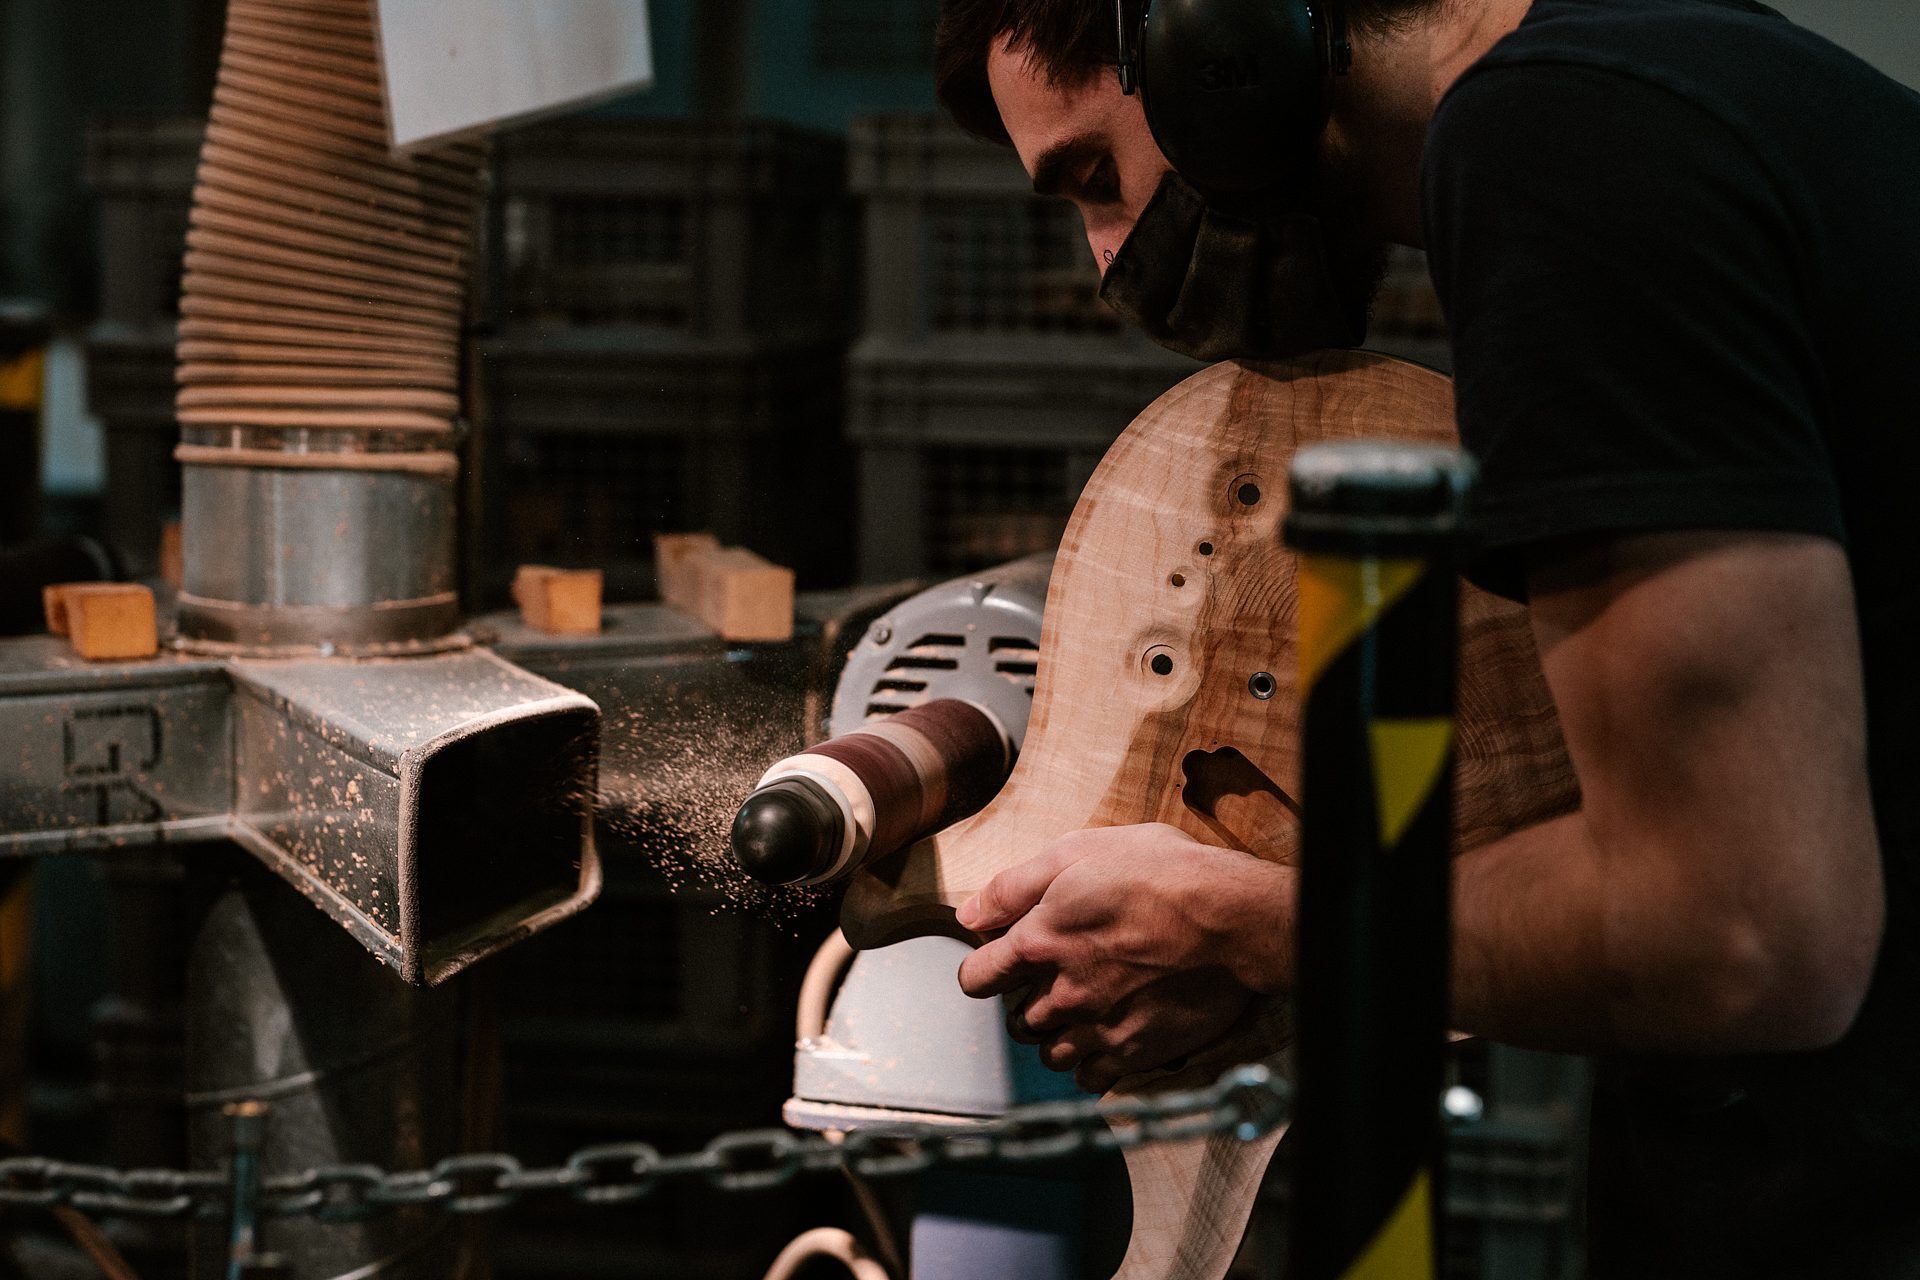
(1377, 527)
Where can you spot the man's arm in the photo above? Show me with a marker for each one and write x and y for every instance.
(1718, 891)
(1720, 888)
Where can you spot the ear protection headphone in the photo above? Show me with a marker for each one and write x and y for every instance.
(1235, 91)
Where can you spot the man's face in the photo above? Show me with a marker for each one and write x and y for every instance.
(1087, 143)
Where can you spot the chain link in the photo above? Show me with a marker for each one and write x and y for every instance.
(1245, 1103)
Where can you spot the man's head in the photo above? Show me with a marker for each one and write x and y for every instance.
(1070, 41)
(1040, 75)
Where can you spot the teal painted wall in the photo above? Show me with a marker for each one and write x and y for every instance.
(779, 69)
(788, 82)
(674, 52)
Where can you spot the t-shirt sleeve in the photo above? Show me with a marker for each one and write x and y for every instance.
(1631, 335)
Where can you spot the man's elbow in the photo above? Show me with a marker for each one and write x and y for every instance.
(1787, 986)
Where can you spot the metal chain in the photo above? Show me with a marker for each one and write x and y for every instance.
(1245, 1103)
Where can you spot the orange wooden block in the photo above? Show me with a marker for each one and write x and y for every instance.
(673, 555)
(732, 590)
(742, 596)
(111, 620)
(558, 601)
(172, 555)
(53, 599)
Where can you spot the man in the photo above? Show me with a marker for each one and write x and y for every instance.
(1673, 238)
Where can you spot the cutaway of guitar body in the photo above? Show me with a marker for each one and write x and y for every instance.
(1166, 693)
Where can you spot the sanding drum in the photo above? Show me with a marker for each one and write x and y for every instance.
(319, 342)
(825, 813)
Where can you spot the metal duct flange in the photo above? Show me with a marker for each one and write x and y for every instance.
(298, 578)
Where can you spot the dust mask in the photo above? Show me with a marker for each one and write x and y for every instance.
(1217, 285)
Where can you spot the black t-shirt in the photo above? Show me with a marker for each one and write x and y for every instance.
(1679, 246)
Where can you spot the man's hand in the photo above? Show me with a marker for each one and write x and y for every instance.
(1137, 946)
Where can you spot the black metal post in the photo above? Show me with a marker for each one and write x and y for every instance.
(1377, 526)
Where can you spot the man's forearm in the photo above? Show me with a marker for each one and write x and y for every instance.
(1529, 952)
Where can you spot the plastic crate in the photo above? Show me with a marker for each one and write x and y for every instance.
(141, 174)
(711, 229)
(1407, 306)
(1514, 1178)
(1513, 1188)
(1512, 1192)
(130, 390)
(989, 378)
(1407, 319)
(958, 244)
(594, 440)
(949, 509)
(972, 453)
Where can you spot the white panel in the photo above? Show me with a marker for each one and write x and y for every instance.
(75, 457)
(461, 66)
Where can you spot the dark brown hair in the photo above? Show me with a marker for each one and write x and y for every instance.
(1071, 40)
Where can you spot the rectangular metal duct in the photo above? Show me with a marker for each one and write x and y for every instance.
(439, 808)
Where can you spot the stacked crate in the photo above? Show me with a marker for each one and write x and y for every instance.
(989, 378)
(1407, 319)
(1514, 1178)
(669, 304)
(141, 174)
(1516, 1174)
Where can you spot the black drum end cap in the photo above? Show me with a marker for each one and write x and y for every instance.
(786, 832)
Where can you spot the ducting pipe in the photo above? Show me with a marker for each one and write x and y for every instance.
(319, 350)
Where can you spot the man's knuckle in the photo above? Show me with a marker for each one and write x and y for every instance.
(1060, 1055)
(1037, 1018)
(1027, 946)
(1074, 1004)
(977, 973)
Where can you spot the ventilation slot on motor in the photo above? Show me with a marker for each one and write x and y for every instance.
(904, 683)
(1016, 658)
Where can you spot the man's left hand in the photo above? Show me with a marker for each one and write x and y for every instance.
(1136, 945)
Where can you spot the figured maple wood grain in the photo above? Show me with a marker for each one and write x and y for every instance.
(1110, 738)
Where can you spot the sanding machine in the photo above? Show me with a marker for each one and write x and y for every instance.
(927, 718)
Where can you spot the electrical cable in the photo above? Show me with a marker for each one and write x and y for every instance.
(826, 1242)
(823, 976)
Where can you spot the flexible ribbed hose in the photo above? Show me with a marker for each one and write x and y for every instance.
(325, 275)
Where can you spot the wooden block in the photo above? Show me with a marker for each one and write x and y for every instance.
(173, 558)
(744, 597)
(53, 599)
(672, 559)
(558, 601)
(110, 620)
(732, 590)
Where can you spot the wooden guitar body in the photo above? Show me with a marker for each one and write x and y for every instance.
(1170, 613)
